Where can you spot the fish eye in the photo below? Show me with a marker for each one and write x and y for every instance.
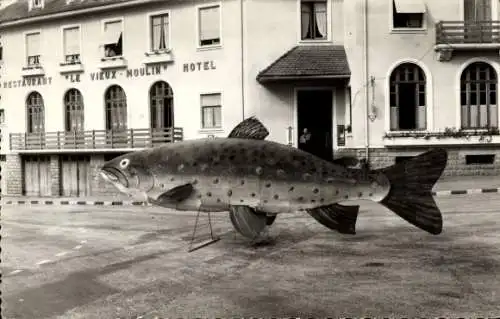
(124, 163)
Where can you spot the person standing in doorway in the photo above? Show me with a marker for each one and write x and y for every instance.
(305, 140)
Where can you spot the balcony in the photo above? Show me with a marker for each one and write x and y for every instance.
(93, 140)
(33, 67)
(464, 36)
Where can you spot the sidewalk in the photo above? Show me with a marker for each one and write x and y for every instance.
(446, 186)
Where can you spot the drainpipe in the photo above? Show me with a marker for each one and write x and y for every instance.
(367, 81)
(242, 47)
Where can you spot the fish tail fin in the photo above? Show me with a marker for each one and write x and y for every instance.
(410, 195)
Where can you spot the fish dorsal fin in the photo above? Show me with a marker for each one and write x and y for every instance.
(250, 128)
(346, 161)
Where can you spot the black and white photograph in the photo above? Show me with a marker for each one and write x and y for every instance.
(249, 159)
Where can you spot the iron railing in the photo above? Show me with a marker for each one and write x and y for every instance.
(465, 32)
(95, 139)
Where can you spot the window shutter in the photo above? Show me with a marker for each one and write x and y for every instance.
(421, 117)
(112, 31)
(394, 118)
(33, 44)
(211, 99)
(493, 116)
(209, 23)
(72, 41)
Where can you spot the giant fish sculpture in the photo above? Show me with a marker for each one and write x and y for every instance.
(255, 180)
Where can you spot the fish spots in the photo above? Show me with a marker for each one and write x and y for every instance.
(209, 194)
(316, 190)
(265, 201)
(229, 193)
(216, 181)
(259, 170)
(253, 194)
(268, 185)
(241, 200)
(313, 201)
(276, 196)
(172, 179)
(322, 200)
(291, 189)
(242, 182)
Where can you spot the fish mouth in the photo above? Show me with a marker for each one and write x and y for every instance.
(114, 176)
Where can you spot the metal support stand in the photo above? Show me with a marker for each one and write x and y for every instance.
(203, 244)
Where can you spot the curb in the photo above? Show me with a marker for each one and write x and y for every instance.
(139, 203)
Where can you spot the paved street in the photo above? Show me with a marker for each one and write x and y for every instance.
(127, 262)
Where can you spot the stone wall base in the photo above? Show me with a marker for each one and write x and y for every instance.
(457, 158)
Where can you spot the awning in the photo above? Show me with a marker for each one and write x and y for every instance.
(409, 6)
(308, 62)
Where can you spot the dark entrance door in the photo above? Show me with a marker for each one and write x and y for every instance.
(314, 112)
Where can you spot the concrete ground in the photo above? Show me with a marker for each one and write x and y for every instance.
(128, 262)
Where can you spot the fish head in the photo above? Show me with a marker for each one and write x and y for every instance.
(128, 173)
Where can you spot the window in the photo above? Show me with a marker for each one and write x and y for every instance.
(116, 109)
(35, 112)
(113, 35)
(73, 102)
(408, 98)
(313, 19)
(2, 116)
(33, 49)
(1, 52)
(161, 100)
(408, 14)
(35, 4)
(71, 42)
(478, 96)
(209, 25)
(159, 32)
(211, 111)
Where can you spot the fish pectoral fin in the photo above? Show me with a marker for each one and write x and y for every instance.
(247, 221)
(346, 161)
(337, 217)
(250, 128)
(175, 195)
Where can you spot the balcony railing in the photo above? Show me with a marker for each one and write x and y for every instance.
(465, 32)
(96, 139)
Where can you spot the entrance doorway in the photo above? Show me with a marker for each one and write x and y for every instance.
(314, 112)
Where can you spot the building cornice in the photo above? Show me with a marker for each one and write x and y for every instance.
(72, 13)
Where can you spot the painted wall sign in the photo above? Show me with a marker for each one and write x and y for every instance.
(198, 66)
(34, 81)
(73, 77)
(129, 73)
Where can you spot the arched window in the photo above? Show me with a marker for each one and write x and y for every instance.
(161, 101)
(35, 112)
(478, 96)
(116, 109)
(73, 102)
(408, 98)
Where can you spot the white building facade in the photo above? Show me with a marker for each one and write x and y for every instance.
(82, 82)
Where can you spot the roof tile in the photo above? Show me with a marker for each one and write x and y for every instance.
(309, 61)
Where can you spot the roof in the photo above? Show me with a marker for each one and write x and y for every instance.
(308, 62)
(20, 10)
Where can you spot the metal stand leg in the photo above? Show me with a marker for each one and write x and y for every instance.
(209, 242)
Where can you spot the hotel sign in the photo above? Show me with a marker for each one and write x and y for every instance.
(129, 73)
(110, 75)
